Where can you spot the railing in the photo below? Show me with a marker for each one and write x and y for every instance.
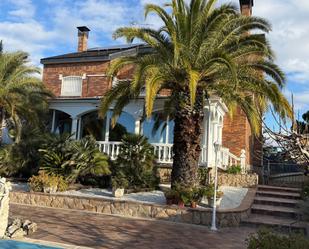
(228, 159)
(110, 148)
(164, 154)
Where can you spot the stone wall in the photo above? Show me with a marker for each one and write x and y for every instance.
(164, 172)
(197, 216)
(238, 180)
(4, 205)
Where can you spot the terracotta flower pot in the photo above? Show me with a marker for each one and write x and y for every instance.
(193, 204)
(181, 204)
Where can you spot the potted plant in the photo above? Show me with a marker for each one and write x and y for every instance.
(171, 196)
(119, 183)
(210, 196)
(196, 196)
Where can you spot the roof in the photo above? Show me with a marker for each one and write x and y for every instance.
(98, 54)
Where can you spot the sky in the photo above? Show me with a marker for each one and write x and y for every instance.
(45, 28)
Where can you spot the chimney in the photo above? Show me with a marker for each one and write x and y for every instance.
(246, 7)
(83, 33)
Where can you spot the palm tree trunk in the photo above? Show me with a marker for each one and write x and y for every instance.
(187, 139)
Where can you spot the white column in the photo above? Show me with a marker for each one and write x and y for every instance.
(53, 122)
(74, 127)
(209, 140)
(137, 126)
(79, 132)
(167, 130)
(107, 127)
(205, 137)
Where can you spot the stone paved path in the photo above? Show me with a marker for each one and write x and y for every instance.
(102, 231)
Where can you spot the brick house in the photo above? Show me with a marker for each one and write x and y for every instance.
(78, 81)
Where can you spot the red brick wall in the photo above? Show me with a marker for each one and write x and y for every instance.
(92, 86)
(236, 134)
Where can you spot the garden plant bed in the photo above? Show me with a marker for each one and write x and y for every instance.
(139, 209)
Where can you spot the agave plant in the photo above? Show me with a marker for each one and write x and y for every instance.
(136, 162)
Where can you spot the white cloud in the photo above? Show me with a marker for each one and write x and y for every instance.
(24, 9)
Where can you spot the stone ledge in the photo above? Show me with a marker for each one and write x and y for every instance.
(199, 216)
(238, 180)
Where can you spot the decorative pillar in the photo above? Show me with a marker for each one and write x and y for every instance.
(137, 130)
(107, 126)
(205, 137)
(74, 129)
(243, 161)
(209, 139)
(53, 122)
(167, 130)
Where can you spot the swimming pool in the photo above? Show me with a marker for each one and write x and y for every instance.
(11, 244)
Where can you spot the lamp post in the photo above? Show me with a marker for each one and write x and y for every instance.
(217, 147)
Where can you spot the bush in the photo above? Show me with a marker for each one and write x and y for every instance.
(136, 162)
(42, 181)
(266, 239)
(73, 159)
(22, 159)
(235, 169)
(203, 175)
(304, 207)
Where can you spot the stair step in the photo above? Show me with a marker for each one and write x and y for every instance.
(278, 194)
(275, 210)
(285, 224)
(284, 202)
(277, 188)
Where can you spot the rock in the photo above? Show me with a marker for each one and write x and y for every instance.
(17, 222)
(26, 223)
(11, 229)
(31, 228)
(19, 233)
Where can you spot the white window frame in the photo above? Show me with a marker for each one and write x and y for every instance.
(74, 86)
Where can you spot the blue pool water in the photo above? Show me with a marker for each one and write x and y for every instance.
(11, 244)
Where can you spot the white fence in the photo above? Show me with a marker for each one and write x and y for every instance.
(164, 154)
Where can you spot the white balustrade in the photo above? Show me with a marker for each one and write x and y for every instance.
(110, 148)
(164, 154)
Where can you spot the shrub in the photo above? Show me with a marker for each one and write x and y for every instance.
(40, 182)
(235, 169)
(203, 175)
(304, 207)
(136, 162)
(73, 159)
(266, 239)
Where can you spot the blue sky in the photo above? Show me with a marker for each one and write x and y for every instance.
(48, 27)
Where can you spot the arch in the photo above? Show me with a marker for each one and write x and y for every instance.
(92, 124)
(63, 122)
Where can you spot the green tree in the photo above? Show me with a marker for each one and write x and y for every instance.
(23, 98)
(199, 51)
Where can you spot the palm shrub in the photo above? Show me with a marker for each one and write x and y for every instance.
(200, 50)
(23, 98)
(135, 162)
(73, 158)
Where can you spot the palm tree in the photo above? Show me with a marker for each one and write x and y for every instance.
(22, 94)
(199, 51)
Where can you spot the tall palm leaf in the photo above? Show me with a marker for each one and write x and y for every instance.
(200, 51)
(23, 97)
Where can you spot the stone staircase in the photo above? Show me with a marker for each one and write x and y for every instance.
(276, 207)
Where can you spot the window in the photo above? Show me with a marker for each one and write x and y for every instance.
(71, 86)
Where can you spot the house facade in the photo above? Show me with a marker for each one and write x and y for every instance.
(79, 81)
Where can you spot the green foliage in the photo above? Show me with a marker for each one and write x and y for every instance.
(266, 239)
(203, 176)
(235, 169)
(22, 159)
(43, 180)
(136, 162)
(23, 98)
(119, 180)
(72, 159)
(304, 207)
